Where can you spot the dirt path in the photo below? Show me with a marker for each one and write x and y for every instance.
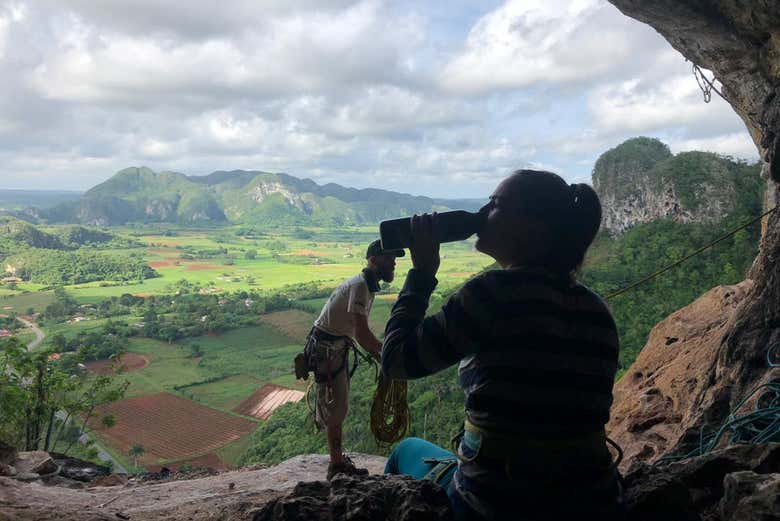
(39, 335)
(201, 499)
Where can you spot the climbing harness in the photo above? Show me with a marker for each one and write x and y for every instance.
(390, 407)
(762, 425)
(508, 447)
(440, 467)
(677, 263)
(322, 347)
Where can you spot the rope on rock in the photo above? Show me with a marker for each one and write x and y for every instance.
(677, 263)
(705, 84)
(762, 425)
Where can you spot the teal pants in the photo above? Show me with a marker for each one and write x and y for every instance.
(417, 458)
(412, 457)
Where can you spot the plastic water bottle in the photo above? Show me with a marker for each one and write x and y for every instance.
(456, 225)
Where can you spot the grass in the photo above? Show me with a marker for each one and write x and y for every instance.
(295, 263)
(246, 358)
(232, 452)
(169, 366)
(261, 351)
(224, 394)
(25, 335)
(71, 330)
(21, 302)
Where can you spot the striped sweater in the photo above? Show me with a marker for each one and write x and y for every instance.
(537, 359)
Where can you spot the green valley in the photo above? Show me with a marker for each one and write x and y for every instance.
(199, 295)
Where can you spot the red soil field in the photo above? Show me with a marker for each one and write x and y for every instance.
(130, 362)
(202, 266)
(168, 427)
(160, 264)
(266, 400)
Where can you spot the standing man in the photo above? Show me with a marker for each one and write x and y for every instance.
(342, 322)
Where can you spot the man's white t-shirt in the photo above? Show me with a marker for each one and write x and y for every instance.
(352, 296)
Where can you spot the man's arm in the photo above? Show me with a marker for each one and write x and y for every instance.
(366, 337)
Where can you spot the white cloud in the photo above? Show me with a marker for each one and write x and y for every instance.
(317, 52)
(185, 18)
(525, 42)
(738, 144)
(4, 25)
(153, 148)
(673, 105)
(406, 96)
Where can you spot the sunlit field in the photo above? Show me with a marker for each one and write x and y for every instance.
(221, 261)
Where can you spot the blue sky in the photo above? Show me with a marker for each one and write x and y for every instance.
(435, 98)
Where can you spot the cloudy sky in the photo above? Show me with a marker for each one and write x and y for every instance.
(439, 98)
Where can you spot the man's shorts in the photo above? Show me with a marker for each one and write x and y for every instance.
(333, 393)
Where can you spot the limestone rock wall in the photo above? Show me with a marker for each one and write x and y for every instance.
(739, 41)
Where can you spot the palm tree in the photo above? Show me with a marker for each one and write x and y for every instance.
(135, 452)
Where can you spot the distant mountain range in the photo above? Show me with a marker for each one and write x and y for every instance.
(14, 200)
(142, 195)
(638, 181)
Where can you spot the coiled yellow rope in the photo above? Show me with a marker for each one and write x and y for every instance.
(389, 411)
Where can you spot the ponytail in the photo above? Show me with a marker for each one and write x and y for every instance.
(583, 224)
(571, 213)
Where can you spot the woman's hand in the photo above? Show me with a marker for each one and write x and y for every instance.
(424, 248)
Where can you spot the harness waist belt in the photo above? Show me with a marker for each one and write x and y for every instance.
(501, 445)
(321, 334)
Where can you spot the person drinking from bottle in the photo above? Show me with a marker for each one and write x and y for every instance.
(537, 353)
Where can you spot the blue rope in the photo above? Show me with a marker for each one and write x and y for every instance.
(762, 425)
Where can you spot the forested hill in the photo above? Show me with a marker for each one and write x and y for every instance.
(69, 255)
(142, 195)
(640, 181)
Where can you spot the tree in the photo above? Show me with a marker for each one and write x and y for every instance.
(250, 255)
(35, 390)
(135, 452)
(195, 350)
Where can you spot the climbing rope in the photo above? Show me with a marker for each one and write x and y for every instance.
(706, 85)
(389, 410)
(762, 425)
(677, 263)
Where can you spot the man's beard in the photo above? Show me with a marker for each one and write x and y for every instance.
(387, 275)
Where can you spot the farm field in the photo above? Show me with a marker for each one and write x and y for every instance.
(169, 428)
(262, 351)
(266, 400)
(294, 323)
(224, 394)
(129, 362)
(21, 301)
(216, 377)
(170, 365)
(218, 259)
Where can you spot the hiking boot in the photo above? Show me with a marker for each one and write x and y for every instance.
(345, 467)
